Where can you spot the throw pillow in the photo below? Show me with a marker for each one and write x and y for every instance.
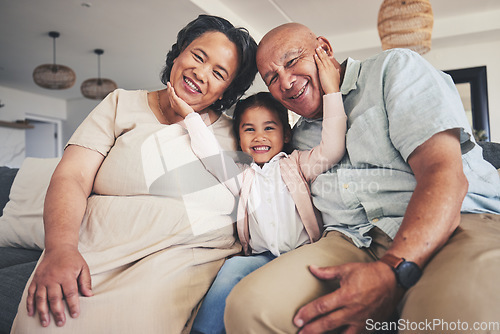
(21, 225)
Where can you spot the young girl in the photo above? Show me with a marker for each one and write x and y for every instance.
(275, 211)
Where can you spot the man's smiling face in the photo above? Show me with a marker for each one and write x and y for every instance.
(285, 60)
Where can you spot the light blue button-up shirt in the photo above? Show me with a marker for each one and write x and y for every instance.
(394, 101)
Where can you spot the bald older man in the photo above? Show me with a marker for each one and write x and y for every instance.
(395, 209)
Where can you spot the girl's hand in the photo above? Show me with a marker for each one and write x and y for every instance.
(329, 76)
(180, 107)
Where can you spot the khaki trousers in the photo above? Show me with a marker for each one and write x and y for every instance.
(458, 288)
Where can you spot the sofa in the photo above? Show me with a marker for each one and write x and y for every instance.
(21, 228)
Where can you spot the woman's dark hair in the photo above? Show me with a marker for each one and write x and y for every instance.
(263, 100)
(245, 44)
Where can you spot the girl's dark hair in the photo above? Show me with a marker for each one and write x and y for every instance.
(264, 100)
(245, 44)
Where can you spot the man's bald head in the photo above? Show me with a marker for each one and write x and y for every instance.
(286, 32)
(288, 29)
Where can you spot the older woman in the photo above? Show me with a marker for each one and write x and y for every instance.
(136, 228)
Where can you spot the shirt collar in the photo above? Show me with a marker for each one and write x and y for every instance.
(302, 119)
(350, 76)
(274, 159)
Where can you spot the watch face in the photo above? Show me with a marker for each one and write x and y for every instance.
(408, 273)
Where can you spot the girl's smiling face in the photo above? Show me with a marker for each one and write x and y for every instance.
(261, 134)
(204, 69)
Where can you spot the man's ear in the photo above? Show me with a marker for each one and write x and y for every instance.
(325, 45)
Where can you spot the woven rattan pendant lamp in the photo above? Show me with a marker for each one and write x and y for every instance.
(97, 88)
(54, 76)
(406, 24)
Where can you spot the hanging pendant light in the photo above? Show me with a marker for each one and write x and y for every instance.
(97, 88)
(406, 24)
(54, 76)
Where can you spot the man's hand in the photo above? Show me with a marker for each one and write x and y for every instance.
(329, 76)
(367, 291)
(180, 107)
(61, 274)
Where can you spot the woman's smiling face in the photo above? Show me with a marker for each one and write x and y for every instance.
(204, 69)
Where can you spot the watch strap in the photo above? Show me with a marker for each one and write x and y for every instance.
(391, 260)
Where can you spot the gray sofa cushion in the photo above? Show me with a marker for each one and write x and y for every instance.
(491, 152)
(16, 266)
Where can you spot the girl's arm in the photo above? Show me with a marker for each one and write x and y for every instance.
(206, 147)
(332, 146)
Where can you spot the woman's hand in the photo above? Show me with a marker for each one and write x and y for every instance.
(61, 275)
(180, 107)
(329, 76)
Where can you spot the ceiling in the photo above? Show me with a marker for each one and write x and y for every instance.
(136, 35)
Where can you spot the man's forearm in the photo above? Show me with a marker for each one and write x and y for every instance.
(433, 212)
(431, 217)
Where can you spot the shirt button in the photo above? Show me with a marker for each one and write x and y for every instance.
(346, 185)
(375, 220)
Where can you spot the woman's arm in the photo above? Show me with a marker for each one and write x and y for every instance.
(62, 272)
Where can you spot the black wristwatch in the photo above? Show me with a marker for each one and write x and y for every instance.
(407, 273)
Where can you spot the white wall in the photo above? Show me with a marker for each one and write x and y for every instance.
(472, 55)
(460, 53)
(17, 105)
(77, 111)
